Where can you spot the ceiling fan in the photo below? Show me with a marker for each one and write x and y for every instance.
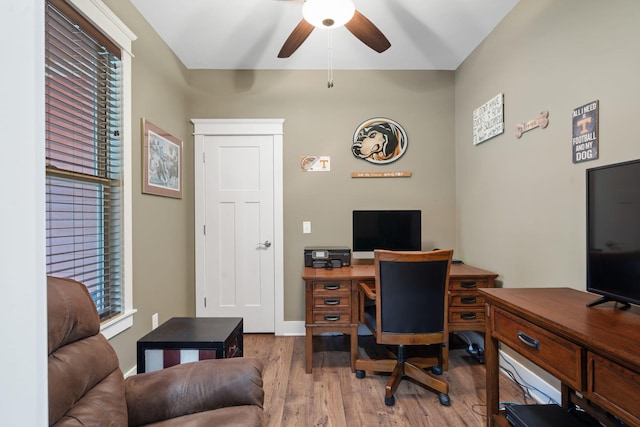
(331, 14)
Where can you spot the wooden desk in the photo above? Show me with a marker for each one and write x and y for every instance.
(332, 302)
(594, 351)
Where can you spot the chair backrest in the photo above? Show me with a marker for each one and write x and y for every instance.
(86, 385)
(411, 296)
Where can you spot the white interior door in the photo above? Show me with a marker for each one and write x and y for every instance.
(236, 251)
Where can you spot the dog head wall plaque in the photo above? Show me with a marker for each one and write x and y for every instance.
(379, 140)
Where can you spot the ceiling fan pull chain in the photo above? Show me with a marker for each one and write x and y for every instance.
(330, 52)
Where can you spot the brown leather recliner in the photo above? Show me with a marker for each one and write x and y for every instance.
(87, 387)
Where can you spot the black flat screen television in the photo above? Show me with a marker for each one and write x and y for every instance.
(613, 232)
(395, 230)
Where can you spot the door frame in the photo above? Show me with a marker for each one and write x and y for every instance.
(234, 127)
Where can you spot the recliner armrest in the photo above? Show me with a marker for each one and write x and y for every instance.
(193, 387)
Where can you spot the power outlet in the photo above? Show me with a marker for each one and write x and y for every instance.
(154, 321)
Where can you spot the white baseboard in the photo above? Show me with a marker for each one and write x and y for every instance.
(539, 389)
(291, 328)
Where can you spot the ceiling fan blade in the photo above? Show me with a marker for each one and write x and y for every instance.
(368, 33)
(296, 38)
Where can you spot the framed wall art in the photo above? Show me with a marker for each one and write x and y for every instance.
(488, 119)
(161, 162)
(379, 141)
(585, 132)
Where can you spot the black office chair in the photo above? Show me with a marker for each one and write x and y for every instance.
(410, 309)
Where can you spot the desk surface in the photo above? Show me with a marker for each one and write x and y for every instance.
(603, 375)
(367, 271)
(603, 328)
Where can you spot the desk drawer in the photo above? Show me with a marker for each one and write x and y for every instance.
(332, 295)
(467, 284)
(560, 357)
(613, 387)
(468, 299)
(341, 301)
(466, 315)
(331, 317)
(331, 286)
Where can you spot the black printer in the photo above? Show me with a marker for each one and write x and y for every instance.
(327, 256)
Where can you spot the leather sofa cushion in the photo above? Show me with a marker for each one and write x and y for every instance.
(188, 388)
(231, 416)
(103, 406)
(74, 371)
(86, 385)
(71, 315)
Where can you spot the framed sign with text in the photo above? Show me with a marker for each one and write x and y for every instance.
(585, 132)
(488, 119)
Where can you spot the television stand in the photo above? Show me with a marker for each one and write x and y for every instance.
(625, 305)
(594, 352)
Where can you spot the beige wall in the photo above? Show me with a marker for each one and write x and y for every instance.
(321, 121)
(521, 202)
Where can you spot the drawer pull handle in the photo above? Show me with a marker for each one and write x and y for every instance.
(331, 301)
(331, 286)
(531, 342)
(467, 285)
(331, 317)
(468, 316)
(468, 300)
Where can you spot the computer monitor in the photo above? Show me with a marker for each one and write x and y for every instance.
(397, 230)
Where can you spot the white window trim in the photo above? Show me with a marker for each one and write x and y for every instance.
(111, 26)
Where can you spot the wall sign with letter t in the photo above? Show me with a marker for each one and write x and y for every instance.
(585, 132)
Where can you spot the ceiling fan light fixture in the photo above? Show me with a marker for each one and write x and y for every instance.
(328, 13)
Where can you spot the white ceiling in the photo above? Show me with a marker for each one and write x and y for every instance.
(248, 34)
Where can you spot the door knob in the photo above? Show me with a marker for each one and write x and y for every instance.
(266, 244)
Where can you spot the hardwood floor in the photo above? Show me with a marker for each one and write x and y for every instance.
(333, 396)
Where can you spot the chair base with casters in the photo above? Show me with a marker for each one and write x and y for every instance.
(420, 368)
(406, 314)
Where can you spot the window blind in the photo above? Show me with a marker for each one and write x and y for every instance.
(83, 158)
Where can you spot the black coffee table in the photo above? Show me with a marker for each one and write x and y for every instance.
(188, 339)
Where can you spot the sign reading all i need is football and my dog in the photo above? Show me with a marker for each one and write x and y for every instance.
(585, 132)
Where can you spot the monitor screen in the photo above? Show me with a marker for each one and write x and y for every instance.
(397, 230)
(613, 232)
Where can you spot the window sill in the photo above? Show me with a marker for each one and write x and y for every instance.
(113, 327)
